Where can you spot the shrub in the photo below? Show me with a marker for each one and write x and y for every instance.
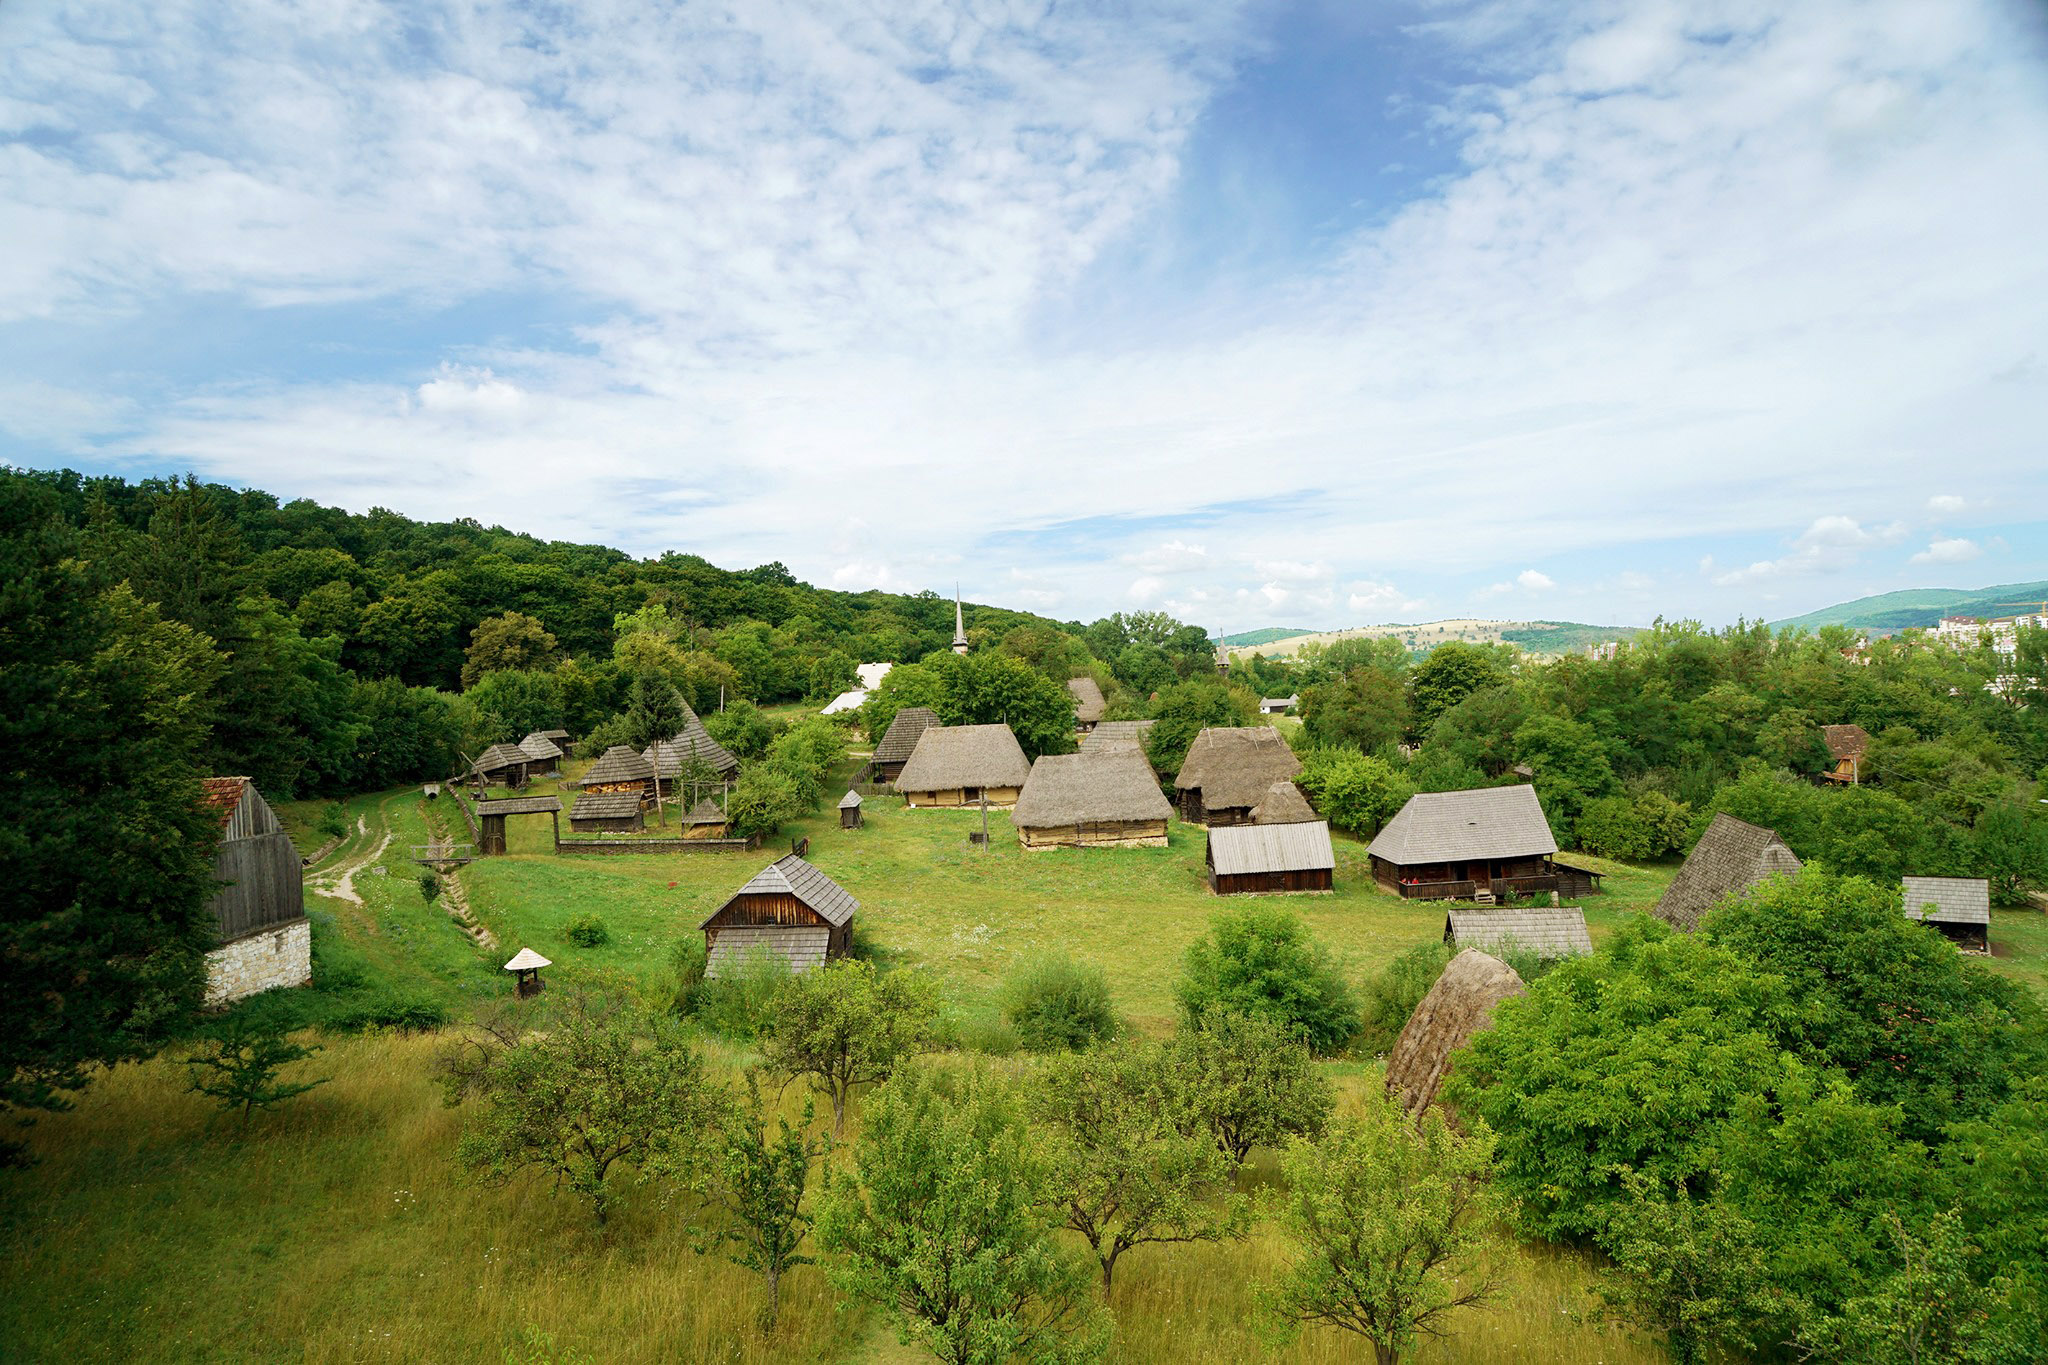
(740, 1000)
(430, 887)
(334, 820)
(986, 1031)
(686, 970)
(587, 931)
(1353, 791)
(1262, 960)
(603, 736)
(1056, 1004)
(741, 728)
(408, 1013)
(1392, 993)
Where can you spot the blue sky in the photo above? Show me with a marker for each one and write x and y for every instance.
(1312, 314)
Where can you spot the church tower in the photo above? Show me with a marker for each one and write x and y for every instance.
(959, 624)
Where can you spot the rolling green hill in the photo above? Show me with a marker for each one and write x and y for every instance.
(1266, 635)
(1922, 607)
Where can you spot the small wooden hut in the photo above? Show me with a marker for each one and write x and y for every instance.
(1283, 804)
(1459, 1005)
(706, 820)
(1960, 907)
(899, 741)
(1246, 860)
(264, 938)
(1088, 703)
(1230, 769)
(503, 765)
(1548, 933)
(960, 765)
(525, 968)
(619, 769)
(544, 754)
(789, 908)
(559, 738)
(1466, 845)
(612, 811)
(1105, 799)
(490, 819)
(850, 810)
(1847, 744)
(1732, 856)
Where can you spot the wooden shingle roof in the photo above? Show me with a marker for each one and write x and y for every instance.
(705, 812)
(1088, 702)
(539, 747)
(850, 801)
(1238, 850)
(1948, 900)
(1235, 766)
(499, 757)
(519, 805)
(618, 764)
(1283, 804)
(1545, 932)
(1107, 786)
(1449, 827)
(899, 741)
(953, 756)
(1114, 734)
(792, 876)
(692, 738)
(605, 805)
(1732, 856)
(1846, 741)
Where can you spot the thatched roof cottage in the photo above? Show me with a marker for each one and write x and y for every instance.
(1459, 1005)
(1229, 770)
(789, 908)
(1732, 856)
(959, 765)
(1467, 845)
(1960, 907)
(1263, 859)
(1091, 801)
(1283, 804)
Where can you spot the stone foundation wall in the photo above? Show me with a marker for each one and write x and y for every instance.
(262, 961)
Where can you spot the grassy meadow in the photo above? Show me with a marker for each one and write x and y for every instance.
(339, 1229)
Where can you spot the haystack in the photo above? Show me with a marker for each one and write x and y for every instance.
(1460, 1004)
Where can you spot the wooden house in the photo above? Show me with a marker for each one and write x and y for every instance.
(1283, 804)
(1847, 744)
(611, 811)
(1466, 845)
(1105, 799)
(259, 914)
(706, 820)
(1960, 907)
(503, 765)
(1117, 734)
(789, 908)
(850, 810)
(899, 741)
(1088, 703)
(960, 765)
(490, 819)
(1548, 933)
(619, 769)
(1279, 706)
(544, 754)
(1262, 859)
(1229, 770)
(1732, 856)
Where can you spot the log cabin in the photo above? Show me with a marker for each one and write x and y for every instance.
(790, 909)
(1265, 859)
(1466, 845)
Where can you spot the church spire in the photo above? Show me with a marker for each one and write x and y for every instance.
(959, 624)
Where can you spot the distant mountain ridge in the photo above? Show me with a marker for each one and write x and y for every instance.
(1922, 608)
(1265, 635)
(1544, 638)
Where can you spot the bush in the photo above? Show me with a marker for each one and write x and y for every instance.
(686, 973)
(603, 736)
(1353, 791)
(739, 1002)
(1392, 994)
(408, 1013)
(986, 1031)
(741, 728)
(587, 931)
(430, 887)
(1650, 825)
(334, 820)
(1262, 961)
(1055, 1004)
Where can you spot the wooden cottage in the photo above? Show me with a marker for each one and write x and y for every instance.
(265, 940)
(1732, 856)
(1088, 703)
(1847, 744)
(1548, 933)
(1262, 859)
(1283, 804)
(602, 812)
(1229, 770)
(559, 738)
(1099, 800)
(490, 819)
(544, 755)
(619, 769)
(1960, 907)
(789, 908)
(1117, 734)
(502, 765)
(899, 741)
(960, 765)
(706, 820)
(1279, 706)
(1467, 845)
(849, 810)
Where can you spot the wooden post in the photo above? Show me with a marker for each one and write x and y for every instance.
(984, 819)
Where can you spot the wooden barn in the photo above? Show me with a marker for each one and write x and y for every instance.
(265, 940)
(1732, 856)
(1229, 770)
(503, 765)
(959, 765)
(619, 769)
(1088, 703)
(1283, 804)
(899, 741)
(789, 908)
(490, 819)
(602, 812)
(1468, 845)
(706, 820)
(1117, 734)
(1960, 907)
(1262, 859)
(1548, 933)
(1847, 744)
(544, 754)
(1100, 800)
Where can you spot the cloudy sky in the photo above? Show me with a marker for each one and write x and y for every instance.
(1308, 314)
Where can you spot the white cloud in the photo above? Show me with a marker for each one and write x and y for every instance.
(1294, 571)
(1145, 591)
(1173, 556)
(1945, 505)
(1948, 550)
(1534, 581)
(1632, 581)
(1829, 545)
(1369, 597)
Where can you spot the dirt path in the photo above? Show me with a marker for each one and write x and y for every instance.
(340, 882)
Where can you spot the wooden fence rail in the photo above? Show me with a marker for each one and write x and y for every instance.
(600, 847)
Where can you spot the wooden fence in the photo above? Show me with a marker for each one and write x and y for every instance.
(476, 834)
(580, 847)
(266, 886)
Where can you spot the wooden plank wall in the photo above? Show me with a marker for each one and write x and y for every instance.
(267, 886)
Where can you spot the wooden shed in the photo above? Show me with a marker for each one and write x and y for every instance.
(544, 754)
(619, 769)
(849, 810)
(1466, 845)
(1548, 933)
(490, 818)
(1264, 859)
(959, 765)
(613, 811)
(1732, 856)
(789, 908)
(1105, 799)
(265, 940)
(706, 820)
(899, 741)
(503, 764)
(560, 738)
(1847, 744)
(1229, 770)
(1960, 907)
(1088, 703)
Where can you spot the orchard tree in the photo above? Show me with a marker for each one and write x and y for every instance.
(845, 1024)
(512, 640)
(1262, 960)
(1355, 792)
(1245, 1081)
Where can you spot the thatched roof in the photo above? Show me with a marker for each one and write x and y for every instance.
(605, 806)
(1088, 702)
(1240, 850)
(1732, 856)
(1460, 1004)
(499, 757)
(899, 741)
(618, 764)
(539, 747)
(1116, 734)
(1948, 900)
(1236, 766)
(1846, 741)
(1544, 932)
(1283, 804)
(519, 805)
(705, 812)
(950, 756)
(792, 876)
(1450, 827)
(526, 960)
(1110, 785)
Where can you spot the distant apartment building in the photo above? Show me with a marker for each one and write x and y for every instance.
(2003, 632)
(1604, 653)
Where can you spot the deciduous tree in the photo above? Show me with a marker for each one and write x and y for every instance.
(845, 1024)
